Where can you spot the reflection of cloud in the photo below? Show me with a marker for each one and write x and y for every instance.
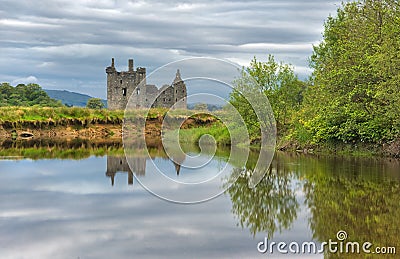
(79, 37)
(68, 209)
(60, 223)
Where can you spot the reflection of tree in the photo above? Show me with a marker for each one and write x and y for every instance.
(367, 209)
(270, 206)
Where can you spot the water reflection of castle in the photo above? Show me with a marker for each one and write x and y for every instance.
(119, 164)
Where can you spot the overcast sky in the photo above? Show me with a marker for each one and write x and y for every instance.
(63, 44)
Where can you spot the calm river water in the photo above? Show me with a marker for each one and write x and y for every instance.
(84, 202)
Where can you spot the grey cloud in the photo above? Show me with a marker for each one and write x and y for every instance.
(67, 44)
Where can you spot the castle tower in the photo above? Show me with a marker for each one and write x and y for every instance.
(179, 91)
(121, 85)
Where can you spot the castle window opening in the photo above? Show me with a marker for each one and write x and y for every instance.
(120, 81)
(124, 91)
(137, 91)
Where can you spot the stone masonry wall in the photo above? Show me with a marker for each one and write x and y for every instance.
(131, 84)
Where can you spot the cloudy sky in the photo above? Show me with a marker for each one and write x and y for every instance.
(64, 44)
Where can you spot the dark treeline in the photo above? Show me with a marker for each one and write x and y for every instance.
(353, 93)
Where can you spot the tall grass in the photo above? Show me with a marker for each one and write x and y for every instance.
(59, 114)
(217, 130)
(38, 116)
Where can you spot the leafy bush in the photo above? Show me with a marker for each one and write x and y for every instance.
(95, 103)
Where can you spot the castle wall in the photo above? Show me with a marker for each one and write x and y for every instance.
(122, 85)
(165, 98)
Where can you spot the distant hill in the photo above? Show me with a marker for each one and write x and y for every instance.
(70, 98)
(210, 107)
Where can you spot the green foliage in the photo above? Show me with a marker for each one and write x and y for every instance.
(245, 86)
(95, 103)
(281, 86)
(352, 95)
(25, 95)
(356, 79)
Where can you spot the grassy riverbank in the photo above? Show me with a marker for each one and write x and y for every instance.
(69, 123)
(53, 116)
(65, 122)
(45, 116)
(217, 130)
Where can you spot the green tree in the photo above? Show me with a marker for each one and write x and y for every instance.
(25, 95)
(95, 103)
(279, 83)
(5, 92)
(356, 80)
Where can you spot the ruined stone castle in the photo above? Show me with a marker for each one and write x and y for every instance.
(132, 84)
